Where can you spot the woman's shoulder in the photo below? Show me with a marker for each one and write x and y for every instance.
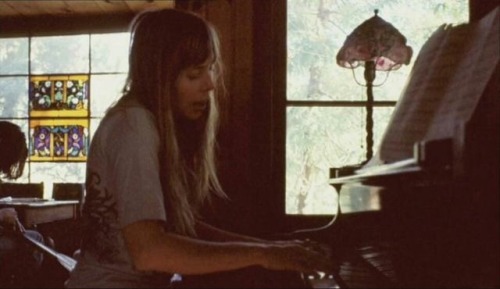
(129, 113)
(126, 123)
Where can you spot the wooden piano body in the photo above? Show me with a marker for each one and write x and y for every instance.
(420, 227)
(431, 221)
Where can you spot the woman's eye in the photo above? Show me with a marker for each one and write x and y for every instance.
(194, 74)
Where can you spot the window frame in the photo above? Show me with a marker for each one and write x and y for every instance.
(269, 92)
(90, 117)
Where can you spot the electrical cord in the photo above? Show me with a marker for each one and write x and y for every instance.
(329, 224)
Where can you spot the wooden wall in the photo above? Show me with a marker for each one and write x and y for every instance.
(233, 20)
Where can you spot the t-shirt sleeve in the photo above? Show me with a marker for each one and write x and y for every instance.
(134, 168)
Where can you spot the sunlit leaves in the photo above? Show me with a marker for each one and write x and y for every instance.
(319, 138)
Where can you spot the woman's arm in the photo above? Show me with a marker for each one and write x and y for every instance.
(211, 233)
(8, 217)
(153, 249)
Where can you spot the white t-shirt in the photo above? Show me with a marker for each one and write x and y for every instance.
(122, 187)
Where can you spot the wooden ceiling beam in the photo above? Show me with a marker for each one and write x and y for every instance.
(22, 18)
(60, 25)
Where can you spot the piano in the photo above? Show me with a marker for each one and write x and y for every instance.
(430, 220)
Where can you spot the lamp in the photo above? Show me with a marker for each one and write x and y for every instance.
(376, 45)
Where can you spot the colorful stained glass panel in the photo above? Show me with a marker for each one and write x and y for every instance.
(59, 96)
(58, 139)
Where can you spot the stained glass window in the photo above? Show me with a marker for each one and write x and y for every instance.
(58, 124)
(57, 89)
(58, 139)
(59, 96)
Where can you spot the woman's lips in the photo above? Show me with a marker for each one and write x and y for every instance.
(200, 105)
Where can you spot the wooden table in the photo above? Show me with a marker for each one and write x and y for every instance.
(32, 213)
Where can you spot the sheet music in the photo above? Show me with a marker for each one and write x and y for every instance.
(445, 85)
(470, 78)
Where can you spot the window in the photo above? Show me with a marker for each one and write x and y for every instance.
(57, 89)
(325, 107)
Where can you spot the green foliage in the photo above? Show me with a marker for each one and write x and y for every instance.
(321, 138)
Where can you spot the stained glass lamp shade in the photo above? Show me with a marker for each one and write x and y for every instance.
(376, 45)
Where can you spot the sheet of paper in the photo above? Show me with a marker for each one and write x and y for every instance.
(445, 85)
(470, 78)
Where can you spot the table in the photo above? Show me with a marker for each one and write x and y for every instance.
(32, 211)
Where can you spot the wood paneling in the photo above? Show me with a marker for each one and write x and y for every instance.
(72, 7)
(21, 18)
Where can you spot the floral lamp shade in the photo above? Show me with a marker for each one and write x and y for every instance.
(378, 41)
(376, 45)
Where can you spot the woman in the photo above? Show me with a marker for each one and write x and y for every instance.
(151, 166)
(19, 262)
(14, 151)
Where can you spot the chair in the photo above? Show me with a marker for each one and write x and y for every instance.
(21, 190)
(71, 191)
(68, 191)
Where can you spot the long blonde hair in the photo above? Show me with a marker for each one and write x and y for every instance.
(163, 43)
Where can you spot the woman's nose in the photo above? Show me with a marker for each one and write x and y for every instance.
(209, 81)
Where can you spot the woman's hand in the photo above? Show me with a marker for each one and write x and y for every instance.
(8, 217)
(302, 256)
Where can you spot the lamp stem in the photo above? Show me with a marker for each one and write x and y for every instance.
(369, 78)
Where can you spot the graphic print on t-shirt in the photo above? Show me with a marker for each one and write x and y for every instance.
(99, 212)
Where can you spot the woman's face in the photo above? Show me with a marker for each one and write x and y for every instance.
(194, 85)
